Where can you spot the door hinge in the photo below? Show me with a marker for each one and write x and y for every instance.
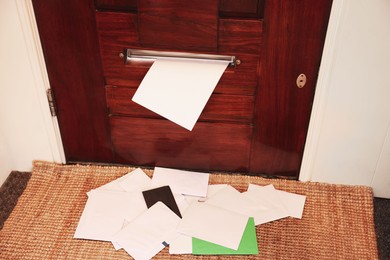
(52, 103)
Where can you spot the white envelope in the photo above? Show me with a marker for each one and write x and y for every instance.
(149, 233)
(269, 199)
(137, 206)
(211, 190)
(213, 224)
(105, 212)
(215, 188)
(136, 181)
(231, 199)
(182, 202)
(181, 182)
(179, 89)
(294, 203)
(181, 245)
(115, 184)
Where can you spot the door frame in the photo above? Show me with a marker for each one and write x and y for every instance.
(38, 68)
(324, 77)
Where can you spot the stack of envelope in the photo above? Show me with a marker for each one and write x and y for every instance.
(180, 209)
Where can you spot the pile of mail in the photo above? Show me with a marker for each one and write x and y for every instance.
(179, 208)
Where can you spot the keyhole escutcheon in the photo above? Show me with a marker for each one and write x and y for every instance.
(301, 80)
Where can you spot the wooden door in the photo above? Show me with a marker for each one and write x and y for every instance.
(256, 120)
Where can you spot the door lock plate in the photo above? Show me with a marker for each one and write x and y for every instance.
(301, 80)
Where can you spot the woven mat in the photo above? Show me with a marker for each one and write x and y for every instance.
(337, 222)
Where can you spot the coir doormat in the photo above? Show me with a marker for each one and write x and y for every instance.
(337, 222)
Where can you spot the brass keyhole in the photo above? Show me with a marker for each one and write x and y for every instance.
(301, 80)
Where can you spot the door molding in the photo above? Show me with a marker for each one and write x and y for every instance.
(336, 19)
(41, 85)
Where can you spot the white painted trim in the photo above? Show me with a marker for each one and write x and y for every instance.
(324, 78)
(381, 180)
(38, 68)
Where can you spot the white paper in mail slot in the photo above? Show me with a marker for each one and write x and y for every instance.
(178, 89)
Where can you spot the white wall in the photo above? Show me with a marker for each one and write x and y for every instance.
(27, 131)
(347, 141)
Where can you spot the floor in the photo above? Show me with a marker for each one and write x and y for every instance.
(15, 184)
(382, 226)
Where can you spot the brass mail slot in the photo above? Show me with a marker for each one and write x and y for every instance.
(151, 54)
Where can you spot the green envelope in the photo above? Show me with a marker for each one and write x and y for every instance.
(248, 244)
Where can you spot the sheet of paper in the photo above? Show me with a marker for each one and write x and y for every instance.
(269, 199)
(213, 224)
(181, 202)
(181, 182)
(231, 199)
(136, 181)
(294, 203)
(132, 181)
(149, 233)
(137, 206)
(211, 190)
(215, 188)
(181, 245)
(105, 212)
(188, 245)
(248, 244)
(179, 89)
(114, 185)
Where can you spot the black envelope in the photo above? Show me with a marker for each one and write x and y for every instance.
(163, 194)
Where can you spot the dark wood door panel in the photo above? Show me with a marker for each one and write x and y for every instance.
(183, 25)
(117, 29)
(229, 108)
(119, 103)
(209, 146)
(117, 5)
(241, 8)
(240, 36)
(223, 87)
(220, 108)
(70, 45)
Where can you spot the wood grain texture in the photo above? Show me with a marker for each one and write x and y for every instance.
(294, 33)
(225, 87)
(241, 80)
(120, 29)
(220, 108)
(70, 45)
(183, 25)
(240, 36)
(153, 142)
(116, 32)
